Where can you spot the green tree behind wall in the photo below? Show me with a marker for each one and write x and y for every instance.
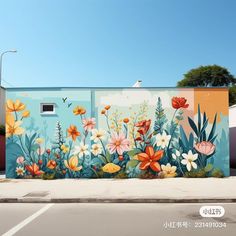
(210, 76)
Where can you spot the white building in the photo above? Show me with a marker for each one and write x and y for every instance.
(232, 116)
(232, 126)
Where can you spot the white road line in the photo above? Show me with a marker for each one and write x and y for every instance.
(23, 223)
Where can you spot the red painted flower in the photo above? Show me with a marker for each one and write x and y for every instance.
(48, 151)
(149, 158)
(143, 126)
(121, 158)
(34, 169)
(179, 102)
(40, 162)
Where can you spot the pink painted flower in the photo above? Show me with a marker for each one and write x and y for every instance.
(89, 124)
(20, 160)
(206, 148)
(118, 143)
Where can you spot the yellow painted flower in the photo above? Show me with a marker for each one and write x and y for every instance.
(12, 126)
(168, 170)
(111, 168)
(39, 140)
(79, 110)
(14, 106)
(72, 164)
(64, 148)
(25, 114)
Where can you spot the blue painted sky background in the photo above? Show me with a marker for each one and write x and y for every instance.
(114, 42)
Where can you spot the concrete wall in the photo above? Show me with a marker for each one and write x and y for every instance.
(131, 123)
(232, 125)
(2, 106)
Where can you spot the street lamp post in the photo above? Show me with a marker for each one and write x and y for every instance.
(1, 57)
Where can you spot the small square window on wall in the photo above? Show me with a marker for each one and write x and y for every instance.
(47, 108)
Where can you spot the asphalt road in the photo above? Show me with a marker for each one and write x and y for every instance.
(113, 220)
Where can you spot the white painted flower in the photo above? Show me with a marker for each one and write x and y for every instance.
(20, 171)
(82, 150)
(98, 135)
(176, 154)
(96, 149)
(189, 160)
(162, 140)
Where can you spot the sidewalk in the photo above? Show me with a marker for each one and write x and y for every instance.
(176, 190)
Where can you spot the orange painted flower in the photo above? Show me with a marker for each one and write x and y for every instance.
(179, 102)
(14, 106)
(34, 169)
(143, 126)
(103, 112)
(126, 120)
(149, 158)
(26, 114)
(72, 164)
(79, 110)
(73, 132)
(107, 107)
(51, 164)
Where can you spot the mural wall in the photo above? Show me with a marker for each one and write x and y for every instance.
(117, 133)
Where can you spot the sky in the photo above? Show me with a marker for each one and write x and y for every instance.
(113, 43)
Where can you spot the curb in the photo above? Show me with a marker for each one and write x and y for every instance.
(115, 200)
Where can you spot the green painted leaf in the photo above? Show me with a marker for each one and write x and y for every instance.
(208, 167)
(108, 157)
(191, 141)
(132, 163)
(193, 126)
(13, 150)
(33, 137)
(199, 119)
(133, 152)
(27, 142)
(34, 147)
(203, 133)
(183, 137)
(212, 133)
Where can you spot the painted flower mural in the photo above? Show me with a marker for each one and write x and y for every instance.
(143, 144)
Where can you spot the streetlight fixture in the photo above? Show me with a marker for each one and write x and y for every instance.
(1, 57)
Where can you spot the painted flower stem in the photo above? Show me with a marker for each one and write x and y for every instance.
(107, 121)
(103, 146)
(180, 167)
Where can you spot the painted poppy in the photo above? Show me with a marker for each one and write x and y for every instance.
(143, 126)
(179, 102)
